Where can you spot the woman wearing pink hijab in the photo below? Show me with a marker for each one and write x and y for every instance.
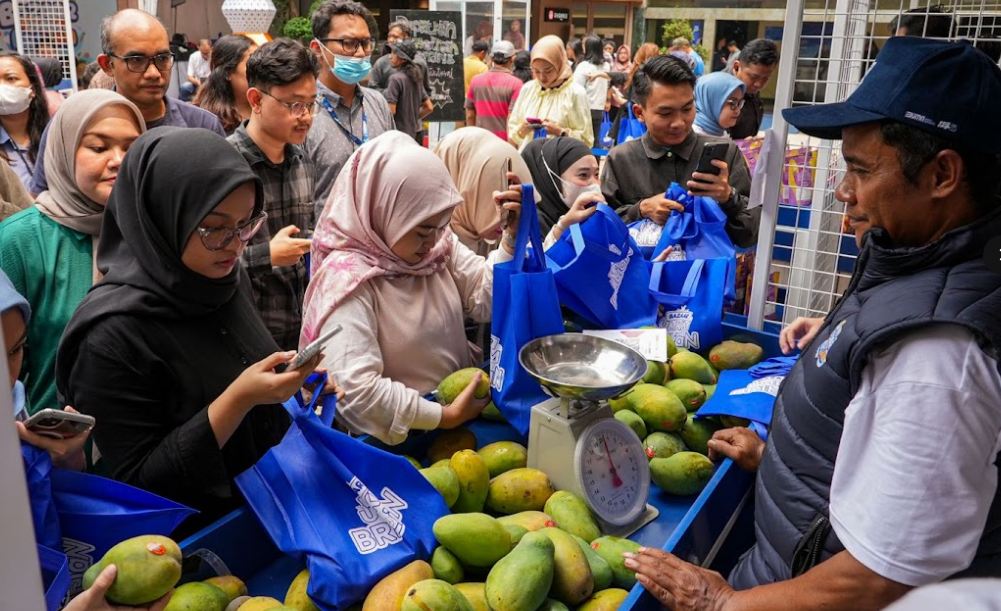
(389, 270)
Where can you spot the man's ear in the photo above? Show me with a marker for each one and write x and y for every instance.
(638, 113)
(947, 172)
(104, 61)
(254, 97)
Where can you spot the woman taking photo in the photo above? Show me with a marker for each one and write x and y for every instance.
(224, 92)
(168, 352)
(551, 100)
(47, 250)
(24, 113)
(591, 73)
(408, 102)
(389, 270)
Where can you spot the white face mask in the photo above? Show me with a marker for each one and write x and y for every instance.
(572, 191)
(14, 99)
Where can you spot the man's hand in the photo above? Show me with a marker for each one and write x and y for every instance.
(657, 208)
(740, 444)
(286, 250)
(716, 186)
(678, 585)
(799, 333)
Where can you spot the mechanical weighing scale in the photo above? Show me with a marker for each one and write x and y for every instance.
(575, 439)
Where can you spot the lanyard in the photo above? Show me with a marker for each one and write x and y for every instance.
(24, 160)
(347, 130)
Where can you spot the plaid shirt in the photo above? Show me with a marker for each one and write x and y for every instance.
(288, 200)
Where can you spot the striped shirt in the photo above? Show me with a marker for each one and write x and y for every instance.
(491, 95)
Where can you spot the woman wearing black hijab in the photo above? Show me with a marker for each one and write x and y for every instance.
(563, 169)
(168, 352)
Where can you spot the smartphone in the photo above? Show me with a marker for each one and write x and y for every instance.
(533, 120)
(58, 424)
(509, 217)
(711, 151)
(313, 349)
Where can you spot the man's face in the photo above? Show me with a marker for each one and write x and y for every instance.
(148, 39)
(344, 27)
(205, 48)
(395, 35)
(515, 26)
(877, 194)
(754, 76)
(276, 119)
(668, 113)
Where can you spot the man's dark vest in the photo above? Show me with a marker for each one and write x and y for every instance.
(892, 292)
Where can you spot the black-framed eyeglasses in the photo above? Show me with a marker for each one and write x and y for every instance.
(351, 45)
(297, 109)
(217, 238)
(735, 104)
(140, 63)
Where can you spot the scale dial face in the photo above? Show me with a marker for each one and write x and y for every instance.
(612, 471)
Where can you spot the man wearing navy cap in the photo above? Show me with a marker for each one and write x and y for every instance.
(881, 469)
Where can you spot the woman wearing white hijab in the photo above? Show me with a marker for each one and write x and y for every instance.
(390, 271)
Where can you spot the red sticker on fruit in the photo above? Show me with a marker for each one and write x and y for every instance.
(156, 548)
(650, 453)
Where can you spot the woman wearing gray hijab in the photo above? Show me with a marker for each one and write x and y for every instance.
(47, 250)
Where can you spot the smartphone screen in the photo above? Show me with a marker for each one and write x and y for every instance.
(711, 151)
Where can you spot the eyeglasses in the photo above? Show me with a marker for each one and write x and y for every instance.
(735, 104)
(351, 45)
(297, 109)
(217, 238)
(140, 63)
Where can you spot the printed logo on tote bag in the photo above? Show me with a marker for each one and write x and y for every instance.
(383, 518)
(496, 371)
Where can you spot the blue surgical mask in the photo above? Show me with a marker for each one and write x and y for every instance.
(346, 69)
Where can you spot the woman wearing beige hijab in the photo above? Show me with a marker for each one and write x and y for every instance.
(388, 269)
(552, 97)
(47, 250)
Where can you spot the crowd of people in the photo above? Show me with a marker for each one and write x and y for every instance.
(162, 260)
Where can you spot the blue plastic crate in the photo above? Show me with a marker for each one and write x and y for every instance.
(696, 529)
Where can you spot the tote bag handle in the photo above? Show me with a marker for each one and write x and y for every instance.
(297, 407)
(528, 231)
(688, 289)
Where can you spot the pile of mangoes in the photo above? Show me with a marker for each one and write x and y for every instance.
(660, 410)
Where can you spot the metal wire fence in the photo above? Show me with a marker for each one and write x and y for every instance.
(43, 28)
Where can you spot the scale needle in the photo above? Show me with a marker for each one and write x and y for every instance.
(616, 480)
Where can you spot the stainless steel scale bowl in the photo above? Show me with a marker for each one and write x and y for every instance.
(582, 367)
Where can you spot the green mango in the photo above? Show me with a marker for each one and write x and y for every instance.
(710, 390)
(516, 531)
(232, 585)
(572, 578)
(611, 549)
(296, 596)
(197, 596)
(490, 412)
(434, 594)
(553, 605)
(503, 456)
(148, 567)
(444, 480)
(662, 445)
(446, 566)
(697, 433)
(600, 571)
(521, 580)
(683, 474)
(518, 490)
(455, 383)
(621, 402)
(691, 366)
(606, 600)
(633, 421)
(570, 513)
(735, 355)
(660, 409)
(476, 539)
(475, 593)
(447, 443)
(529, 520)
(691, 393)
(656, 373)
(474, 481)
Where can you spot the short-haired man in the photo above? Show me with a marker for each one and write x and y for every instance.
(852, 507)
(135, 52)
(685, 46)
(199, 68)
(927, 22)
(491, 94)
(637, 173)
(378, 79)
(754, 66)
(475, 64)
(349, 114)
(281, 80)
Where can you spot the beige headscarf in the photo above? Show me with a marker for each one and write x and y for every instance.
(477, 161)
(64, 202)
(553, 51)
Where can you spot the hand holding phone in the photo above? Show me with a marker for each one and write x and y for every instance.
(307, 353)
(533, 120)
(709, 179)
(59, 424)
(711, 151)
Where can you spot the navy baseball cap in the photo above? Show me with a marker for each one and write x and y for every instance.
(949, 89)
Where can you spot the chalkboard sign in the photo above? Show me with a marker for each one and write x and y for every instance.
(438, 37)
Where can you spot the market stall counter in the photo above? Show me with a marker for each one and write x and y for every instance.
(711, 528)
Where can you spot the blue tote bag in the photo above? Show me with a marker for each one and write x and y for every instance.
(526, 306)
(55, 576)
(691, 298)
(38, 475)
(604, 140)
(352, 512)
(739, 393)
(601, 274)
(699, 233)
(630, 128)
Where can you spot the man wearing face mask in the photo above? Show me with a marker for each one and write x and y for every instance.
(349, 114)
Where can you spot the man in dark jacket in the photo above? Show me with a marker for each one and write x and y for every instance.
(754, 66)
(881, 469)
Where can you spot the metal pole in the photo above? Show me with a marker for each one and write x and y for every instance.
(773, 152)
